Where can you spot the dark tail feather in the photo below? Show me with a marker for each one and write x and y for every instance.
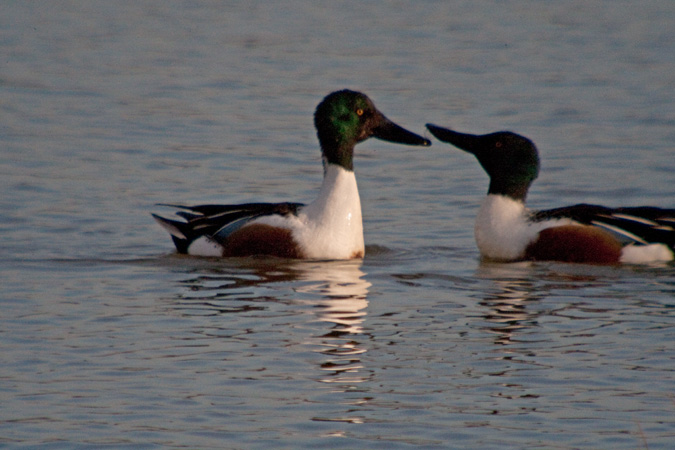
(180, 232)
(650, 223)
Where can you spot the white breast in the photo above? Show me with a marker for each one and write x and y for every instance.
(503, 230)
(331, 226)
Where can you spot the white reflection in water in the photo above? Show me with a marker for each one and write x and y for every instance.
(507, 305)
(343, 303)
(332, 292)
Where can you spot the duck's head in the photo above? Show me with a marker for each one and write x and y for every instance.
(511, 160)
(345, 118)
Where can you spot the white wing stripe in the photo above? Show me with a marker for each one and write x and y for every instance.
(619, 231)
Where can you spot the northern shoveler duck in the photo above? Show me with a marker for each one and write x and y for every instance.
(328, 228)
(507, 231)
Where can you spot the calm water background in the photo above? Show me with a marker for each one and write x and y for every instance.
(108, 339)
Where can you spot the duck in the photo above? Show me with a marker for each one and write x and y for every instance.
(330, 227)
(506, 230)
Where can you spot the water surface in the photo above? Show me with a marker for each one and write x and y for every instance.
(111, 340)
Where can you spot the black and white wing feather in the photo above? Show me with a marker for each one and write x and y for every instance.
(639, 224)
(217, 222)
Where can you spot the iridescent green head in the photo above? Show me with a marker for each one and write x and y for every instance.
(345, 118)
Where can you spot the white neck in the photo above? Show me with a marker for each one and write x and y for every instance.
(334, 223)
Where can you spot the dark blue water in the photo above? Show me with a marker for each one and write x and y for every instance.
(108, 339)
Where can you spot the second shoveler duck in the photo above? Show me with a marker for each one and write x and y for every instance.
(507, 231)
(328, 228)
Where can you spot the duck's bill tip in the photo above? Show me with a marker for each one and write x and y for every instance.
(389, 131)
(423, 142)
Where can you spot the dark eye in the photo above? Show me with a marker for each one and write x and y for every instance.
(498, 144)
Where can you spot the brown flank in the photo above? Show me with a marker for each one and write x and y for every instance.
(261, 239)
(575, 243)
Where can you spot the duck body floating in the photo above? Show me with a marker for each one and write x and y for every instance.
(330, 227)
(506, 230)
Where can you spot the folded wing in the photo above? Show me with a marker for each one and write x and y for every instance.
(640, 224)
(217, 222)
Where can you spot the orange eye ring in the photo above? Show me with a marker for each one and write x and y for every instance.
(359, 112)
(498, 144)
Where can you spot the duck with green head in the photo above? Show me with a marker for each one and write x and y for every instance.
(330, 227)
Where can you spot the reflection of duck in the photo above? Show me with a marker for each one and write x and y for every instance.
(508, 312)
(343, 293)
(342, 301)
(334, 292)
